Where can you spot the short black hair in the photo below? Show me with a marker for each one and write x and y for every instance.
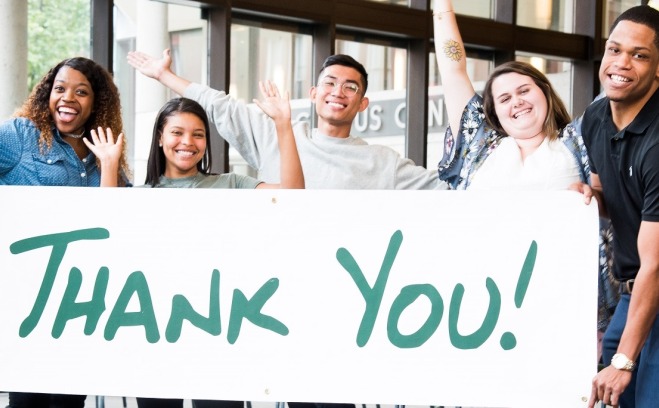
(346, 61)
(646, 15)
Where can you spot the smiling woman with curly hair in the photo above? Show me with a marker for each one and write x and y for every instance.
(63, 133)
(63, 136)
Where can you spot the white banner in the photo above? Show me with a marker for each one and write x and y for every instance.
(389, 297)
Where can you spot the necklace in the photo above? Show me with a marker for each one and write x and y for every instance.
(73, 135)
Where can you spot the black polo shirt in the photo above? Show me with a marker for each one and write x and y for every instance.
(627, 163)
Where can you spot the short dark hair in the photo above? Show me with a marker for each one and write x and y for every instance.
(157, 162)
(646, 15)
(346, 61)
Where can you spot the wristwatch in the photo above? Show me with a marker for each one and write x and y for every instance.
(621, 362)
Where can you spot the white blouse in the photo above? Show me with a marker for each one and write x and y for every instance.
(550, 167)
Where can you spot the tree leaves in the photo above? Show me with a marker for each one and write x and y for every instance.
(57, 29)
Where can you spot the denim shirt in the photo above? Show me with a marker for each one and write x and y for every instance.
(23, 162)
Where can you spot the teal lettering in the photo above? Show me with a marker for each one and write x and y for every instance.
(182, 309)
(135, 284)
(250, 309)
(508, 340)
(372, 296)
(407, 296)
(525, 274)
(59, 242)
(477, 338)
(69, 309)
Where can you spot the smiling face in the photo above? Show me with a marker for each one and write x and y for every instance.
(71, 100)
(336, 110)
(520, 105)
(629, 72)
(183, 141)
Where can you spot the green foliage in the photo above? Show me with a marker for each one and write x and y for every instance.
(57, 29)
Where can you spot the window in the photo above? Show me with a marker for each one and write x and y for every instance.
(612, 9)
(259, 54)
(474, 8)
(559, 74)
(555, 15)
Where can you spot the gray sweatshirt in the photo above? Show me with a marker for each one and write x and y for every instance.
(327, 162)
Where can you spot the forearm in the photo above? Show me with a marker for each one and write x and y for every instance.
(449, 48)
(173, 81)
(451, 61)
(109, 174)
(291, 168)
(644, 304)
(643, 309)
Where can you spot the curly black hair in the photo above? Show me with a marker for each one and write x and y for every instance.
(106, 112)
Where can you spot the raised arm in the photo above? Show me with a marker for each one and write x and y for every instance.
(158, 69)
(278, 108)
(452, 62)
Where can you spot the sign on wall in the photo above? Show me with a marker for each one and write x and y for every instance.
(390, 297)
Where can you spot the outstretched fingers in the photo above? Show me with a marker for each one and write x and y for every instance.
(148, 65)
(269, 89)
(104, 146)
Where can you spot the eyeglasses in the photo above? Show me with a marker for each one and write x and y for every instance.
(349, 88)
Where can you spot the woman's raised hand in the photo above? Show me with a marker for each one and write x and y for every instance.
(104, 147)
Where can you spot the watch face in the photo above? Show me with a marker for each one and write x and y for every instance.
(621, 362)
(618, 361)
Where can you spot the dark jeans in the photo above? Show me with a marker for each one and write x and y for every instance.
(178, 403)
(35, 400)
(642, 391)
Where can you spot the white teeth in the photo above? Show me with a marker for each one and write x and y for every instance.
(64, 109)
(524, 112)
(185, 153)
(340, 105)
(619, 78)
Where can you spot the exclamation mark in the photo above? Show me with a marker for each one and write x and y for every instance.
(508, 340)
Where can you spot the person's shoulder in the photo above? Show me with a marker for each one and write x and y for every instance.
(595, 114)
(477, 99)
(230, 180)
(598, 106)
(18, 122)
(19, 128)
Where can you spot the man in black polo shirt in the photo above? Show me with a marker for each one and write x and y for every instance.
(621, 133)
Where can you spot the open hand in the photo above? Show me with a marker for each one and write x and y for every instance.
(104, 146)
(148, 65)
(275, 105)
